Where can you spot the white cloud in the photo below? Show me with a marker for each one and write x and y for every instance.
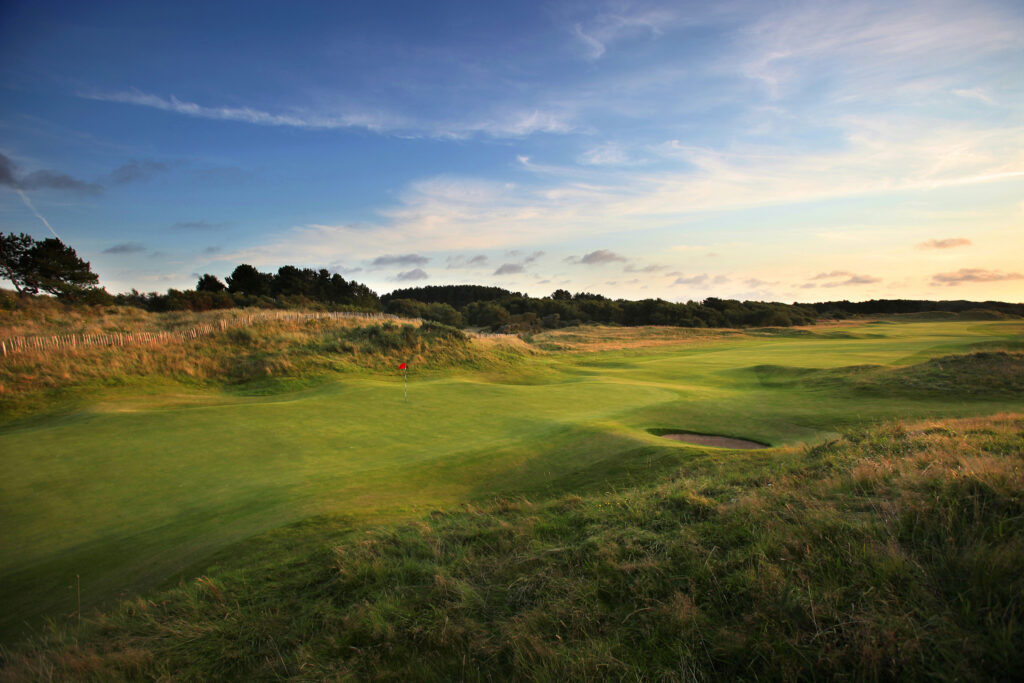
(865, 47)
(975, 94)
(508, 122)
(593, 47)
(620, 23)
(880, 156)
(375, 122)
(608, 154)
(972, 275)
(860, 52)
(948, 243)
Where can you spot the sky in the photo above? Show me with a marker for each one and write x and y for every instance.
(785, 151)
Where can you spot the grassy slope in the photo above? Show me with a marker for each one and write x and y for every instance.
(892, 553)
(135, 488)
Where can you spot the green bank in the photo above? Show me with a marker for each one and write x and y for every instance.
(136, 491)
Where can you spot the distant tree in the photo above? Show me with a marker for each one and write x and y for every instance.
(445, 314)
(561, 295)
(295, 281)
(210, 283)
(247, 280)
(486, 314)
(49, 266)
(13, 250)
(408, 308)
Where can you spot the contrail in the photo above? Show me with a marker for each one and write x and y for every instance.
(28, 203)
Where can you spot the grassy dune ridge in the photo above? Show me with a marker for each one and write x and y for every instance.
(893, 552)
(269, 355)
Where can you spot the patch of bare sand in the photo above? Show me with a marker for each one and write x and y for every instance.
(716, 441)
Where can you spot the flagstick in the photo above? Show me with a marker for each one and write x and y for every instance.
(405, 384)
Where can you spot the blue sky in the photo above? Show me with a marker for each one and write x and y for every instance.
(794, 151)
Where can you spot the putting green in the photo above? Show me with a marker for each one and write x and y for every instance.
(131, 493)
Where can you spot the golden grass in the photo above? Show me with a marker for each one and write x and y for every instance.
(586, 339)
(252, 345)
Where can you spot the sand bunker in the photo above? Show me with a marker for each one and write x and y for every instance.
(717, 441)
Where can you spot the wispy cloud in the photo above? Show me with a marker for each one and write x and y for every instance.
(43, 179)
(464, 261)
(508, 122)
(608, 154)
(972, 275)
(410, 275)
(199, 225)
(533, 257)
(693, 280)
(125, 248)
(53, 180)
(652, 268)
(7, 172)
(881, 156)
(944, 244)
(402, 260)
(845, 148)
(754, 282)
(833, 274)
(510, 269)
(974, 94)
(619, 22)
(858, 43)
(242, 114)
(137, 170)
(593, 47)
(841, 279)
(596, 258)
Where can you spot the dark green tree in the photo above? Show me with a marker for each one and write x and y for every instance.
(13, 250)
(247, 280)
(444, 314)
(485, 314)
(48, 266)
(407, 308)
(561, 295)
(210, 283)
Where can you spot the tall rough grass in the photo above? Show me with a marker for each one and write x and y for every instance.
(893, 553)
(269, 348)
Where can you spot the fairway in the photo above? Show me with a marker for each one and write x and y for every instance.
(130, 493)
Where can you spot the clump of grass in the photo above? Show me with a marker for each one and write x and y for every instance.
(979, 374)
(892, 553)
(984, 375)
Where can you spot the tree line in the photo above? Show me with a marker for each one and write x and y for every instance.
(289, 287)
(840, 309)
(52, 267)
(509, 311)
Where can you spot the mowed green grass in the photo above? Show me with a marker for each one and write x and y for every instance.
(134, 492)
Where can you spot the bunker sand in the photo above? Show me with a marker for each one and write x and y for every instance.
(716, 441)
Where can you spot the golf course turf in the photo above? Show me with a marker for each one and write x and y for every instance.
(137, 491)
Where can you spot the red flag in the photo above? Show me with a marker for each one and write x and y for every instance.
(402, 366)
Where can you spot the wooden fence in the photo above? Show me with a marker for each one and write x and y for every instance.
(74, 341)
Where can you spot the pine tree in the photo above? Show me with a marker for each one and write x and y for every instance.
(49, 266)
